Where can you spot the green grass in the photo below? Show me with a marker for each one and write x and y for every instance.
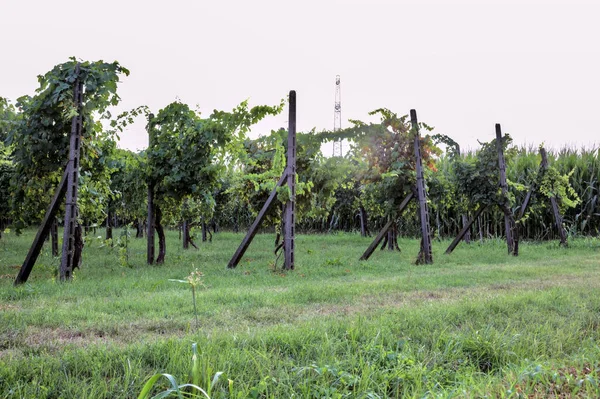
(477, 323)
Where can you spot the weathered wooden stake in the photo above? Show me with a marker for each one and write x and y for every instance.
(290, 206)
(464, 217)
(509, 221)
(69, 246)
(204, 231)
(43, 231)
(364, 221)
(150, 225)
(237, 256)
(386, 228)
(465, 221)
(425, 256)
(186, 234)
(558, 220)
(465, 229)
(289, 226)
(54, 237)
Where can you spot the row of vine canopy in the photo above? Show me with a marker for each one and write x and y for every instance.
(208, 172)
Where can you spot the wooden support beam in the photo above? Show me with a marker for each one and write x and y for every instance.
(364, 223)
(186, 234)
(69, 246)
(385, 229)
(525, 203)
(237, 256)
(426, 255)
(150, 247)
(38, 242)
(288, 177)
(465, 221)
(558, 220)
(509, 221)
(532, 189)
(54, 237)
(290, 206)
(150, 223)
(464, 230)
(464, 217)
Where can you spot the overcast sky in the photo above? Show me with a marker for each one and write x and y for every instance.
(533, 66)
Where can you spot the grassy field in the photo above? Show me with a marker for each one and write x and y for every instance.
(477, 323)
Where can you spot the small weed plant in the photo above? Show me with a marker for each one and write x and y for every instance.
(195, 280)
(192, 390)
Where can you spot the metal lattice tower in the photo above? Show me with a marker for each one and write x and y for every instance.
(337, 117)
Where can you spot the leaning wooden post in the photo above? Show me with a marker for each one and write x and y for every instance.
(464, 217)
(69, 245)
(509, 222)
(466, 227)
(290, 206)
(289, 218)
(150, 222)
(385, 229)
(558, 220)
(425, 256)
(43, 231)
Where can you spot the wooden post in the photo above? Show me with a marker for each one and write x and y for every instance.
(204, 231)
(289, 174)
(78, 243)
(525, 203)
(386, 228)
(290, 206)
(150, 251)
(465, 221)
(43, 231)
(186, 234)
(464, 217)
(237, 256)
(364, 223)
(509, 222)
(532, 189)
(425, 256)
(54, 237)
(465, 229)
(558, 220)
(69, 244)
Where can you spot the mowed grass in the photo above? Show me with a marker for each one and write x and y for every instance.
(477, 323)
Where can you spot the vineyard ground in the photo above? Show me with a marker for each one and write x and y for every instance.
(475, 323)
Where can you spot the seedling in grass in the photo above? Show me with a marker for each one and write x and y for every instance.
(192, 390)
(194, 280)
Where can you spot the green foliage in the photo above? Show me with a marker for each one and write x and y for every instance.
(123, 247)
(188, 154)
(554, 184)
(6, 173)
(478, 178)
(238, 123)
(175, 388)
(180, 154)
(39, 137)
(128, 184)
(388, 150)
(8, 119)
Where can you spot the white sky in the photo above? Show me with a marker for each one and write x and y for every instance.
(533, 66)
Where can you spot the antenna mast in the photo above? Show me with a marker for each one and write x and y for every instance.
(337, 117)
